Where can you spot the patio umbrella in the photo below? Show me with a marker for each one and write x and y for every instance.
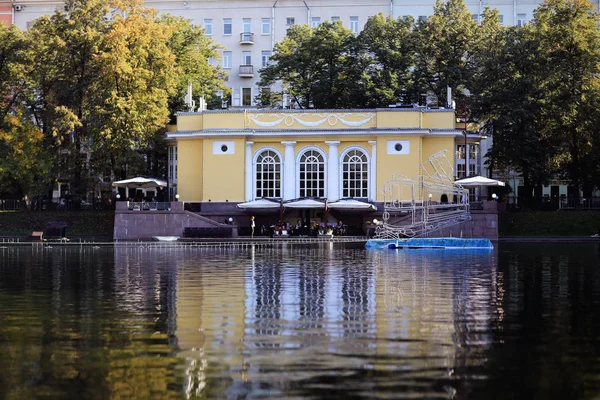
(259, 204)
(141, 183)
(304, 203)
(352, 204)
(479, 181)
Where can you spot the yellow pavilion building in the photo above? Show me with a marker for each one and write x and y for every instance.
(225, 163)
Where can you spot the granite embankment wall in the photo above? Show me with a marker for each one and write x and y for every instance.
(484, 224)
(143, 225)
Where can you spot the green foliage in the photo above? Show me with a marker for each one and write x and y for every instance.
(312, 63)
(557, 223)
(108, 76)
(192, 50)
(445, 44)
(18, 223)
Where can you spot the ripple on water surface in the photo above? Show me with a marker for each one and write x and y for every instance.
(305, 322)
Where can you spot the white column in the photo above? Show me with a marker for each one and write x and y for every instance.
(289, 171)
(249, 169)
(333, 171)
(373, 171)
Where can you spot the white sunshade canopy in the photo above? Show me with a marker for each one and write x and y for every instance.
(351, 204)
(304, 203)
(479, 181)
(259, 204)
(140, 183)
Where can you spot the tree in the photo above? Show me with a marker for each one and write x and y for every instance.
(108, 77)
(312, 64)
(193, 50)
(384, 58)
(444, 48)
(509, 101)
(569, 54)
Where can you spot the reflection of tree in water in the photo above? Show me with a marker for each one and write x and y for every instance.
(66, 335)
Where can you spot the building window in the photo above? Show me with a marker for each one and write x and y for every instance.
(246, 96)
(227, 26)
(501, 18)
(312, 174)
(460, 152)
(226, 59)
(268, 175)
(334, 19)
(246, 57)
(473, 151)
(208, 27)
(266, 26)
(460, 171)
(354, 24)
(315, 22)
(289, 21)
(422, 18)
(247, 25)
(521, 19)
(265, 57)
(472, 169)
(355, 174)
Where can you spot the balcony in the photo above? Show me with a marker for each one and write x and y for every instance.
(246, 71)
(246, 38)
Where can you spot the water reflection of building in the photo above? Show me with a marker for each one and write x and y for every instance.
(434, 303)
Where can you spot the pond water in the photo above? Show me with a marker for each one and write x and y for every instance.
(522, 320)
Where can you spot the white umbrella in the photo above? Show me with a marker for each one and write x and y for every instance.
(304, 203)
(479, 181)
(351, 204)
(140, 183)
(259, 204)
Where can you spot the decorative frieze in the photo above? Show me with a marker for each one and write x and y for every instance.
(311, 120)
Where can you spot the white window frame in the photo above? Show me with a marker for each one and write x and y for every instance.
(227, 22)
(265, 56)
(208, 27)
(365, 184)
(289, 21)
(354, 24)
(321, 189)
(265, 26)
(242, 97)
(255, 189)
(521, 19)
(246, 25)
(335, 19)
(227, 56)
(315, 22)
(246, 58)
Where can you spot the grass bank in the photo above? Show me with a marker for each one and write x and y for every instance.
(551, 223)
(22, 223)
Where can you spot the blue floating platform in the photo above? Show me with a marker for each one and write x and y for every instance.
(429, 243)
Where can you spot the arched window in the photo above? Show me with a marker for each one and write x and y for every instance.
(268, 174)
(355, 174)
(312, 174)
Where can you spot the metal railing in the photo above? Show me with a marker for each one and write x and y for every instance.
(246, 37)
(10, 205)
(246, 70)
(149, 205)
(554, 203)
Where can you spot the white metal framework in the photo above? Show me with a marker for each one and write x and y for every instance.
(424, 204)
